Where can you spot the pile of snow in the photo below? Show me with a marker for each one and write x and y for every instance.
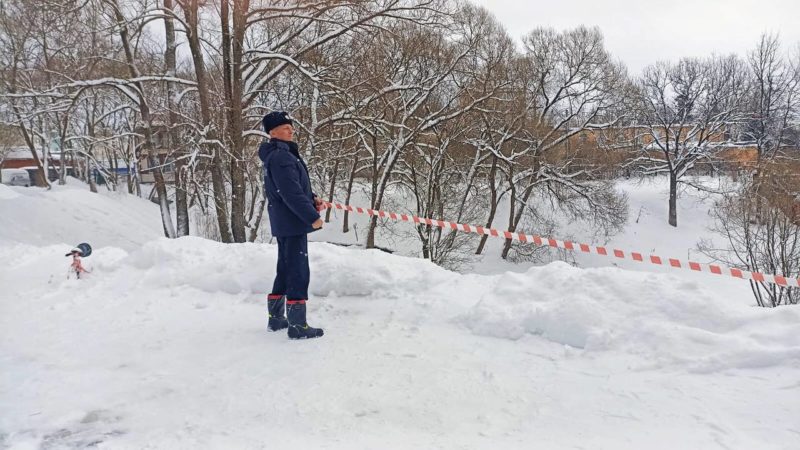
(7, 193)
(164, 346)
(665, 320)
(71, 214)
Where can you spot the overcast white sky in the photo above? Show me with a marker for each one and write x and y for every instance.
(641, 32)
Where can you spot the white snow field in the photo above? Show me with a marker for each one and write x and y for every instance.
(164, 346)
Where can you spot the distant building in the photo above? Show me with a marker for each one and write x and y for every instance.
(163, 155)
(611, 147)
(22, 158)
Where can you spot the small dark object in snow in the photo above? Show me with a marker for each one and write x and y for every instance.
(78, 252)
(83, 249)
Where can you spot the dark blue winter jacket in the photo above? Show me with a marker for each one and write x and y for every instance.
(288, 188)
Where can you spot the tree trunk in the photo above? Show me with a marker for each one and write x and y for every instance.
(673, 200)
(232, 54)
(62, 131)
(144, 109)
(377, 196)
(90, 176)
(41, 174)
(62, 171)
(134, 179)
(181, 201)
(345, 227)
(424, 234)
(217, 177)
(112, 163)
(163, 200)
(378, 202)
(436, 238)
(516, 217)
(492, 203)
(373, 224)
(259, 216)
(373, 221)
(473, 171)
(511, 207)
(331, 191)
(89, 151)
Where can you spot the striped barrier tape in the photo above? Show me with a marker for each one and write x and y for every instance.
(574, 246)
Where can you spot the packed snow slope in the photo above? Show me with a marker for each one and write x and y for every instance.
(164, 346)
(71, 214)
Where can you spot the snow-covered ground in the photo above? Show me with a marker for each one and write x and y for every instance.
(164, 344)
(70, 214)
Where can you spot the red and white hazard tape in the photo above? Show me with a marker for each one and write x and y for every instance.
(574, 246)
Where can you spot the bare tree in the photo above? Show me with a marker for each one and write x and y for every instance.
(686, 111)
(569, 84)
(761, 234)
(421, 98)
(773, 99)
(259, 41)
(173, 119)
(425, 92)
(121, 25)
(760, 222)
(445, 167)
(23, 68)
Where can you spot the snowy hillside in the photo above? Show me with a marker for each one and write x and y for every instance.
(71, 214)
(164, 346)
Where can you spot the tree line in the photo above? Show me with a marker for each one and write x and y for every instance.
(431, 99)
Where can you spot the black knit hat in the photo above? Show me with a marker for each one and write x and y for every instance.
(276, 119)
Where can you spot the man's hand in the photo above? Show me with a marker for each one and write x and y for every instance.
(318, 203)
(318, 224)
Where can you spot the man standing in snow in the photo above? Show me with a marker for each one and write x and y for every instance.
(293, 213)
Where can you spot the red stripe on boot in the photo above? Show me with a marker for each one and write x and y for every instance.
(296, 302)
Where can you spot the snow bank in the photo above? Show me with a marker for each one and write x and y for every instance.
(7, 193)
(662, 318)
(70, 214)
(665, 320)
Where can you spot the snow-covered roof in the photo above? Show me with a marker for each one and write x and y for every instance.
(20, 153)
(25, 153)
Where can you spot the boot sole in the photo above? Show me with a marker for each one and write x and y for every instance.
(300, 338)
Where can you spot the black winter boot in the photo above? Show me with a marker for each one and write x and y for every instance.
(276, 309)
(298, 327)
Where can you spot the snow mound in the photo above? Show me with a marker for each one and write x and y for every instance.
(70, 214)
(662, 318)
(7, 193)
(244, 268)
